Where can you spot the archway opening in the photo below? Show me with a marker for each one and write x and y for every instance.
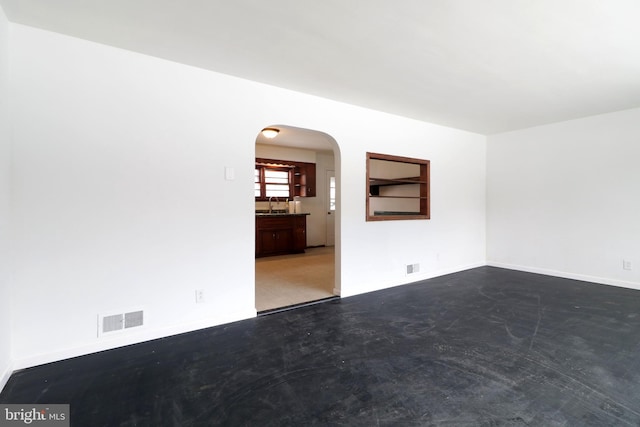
(297, 204)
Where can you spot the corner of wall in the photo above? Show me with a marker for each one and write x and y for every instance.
(577, 216)
(5, 375)
(6, 363)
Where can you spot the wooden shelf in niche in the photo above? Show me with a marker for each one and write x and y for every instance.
(397, 188)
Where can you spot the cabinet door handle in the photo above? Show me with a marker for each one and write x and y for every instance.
(274, 236)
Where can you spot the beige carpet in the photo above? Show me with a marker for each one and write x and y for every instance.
(293, 279)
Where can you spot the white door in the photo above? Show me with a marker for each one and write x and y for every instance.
(331, 208)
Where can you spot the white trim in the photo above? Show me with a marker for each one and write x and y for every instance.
(430, 275)
(567, 275)
(148, 335)
(133, 338)
(418, 277)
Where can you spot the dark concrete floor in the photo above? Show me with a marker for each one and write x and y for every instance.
(484, 347)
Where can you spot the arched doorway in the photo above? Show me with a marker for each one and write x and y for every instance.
(294, 175)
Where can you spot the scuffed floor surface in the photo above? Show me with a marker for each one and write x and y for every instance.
(484, 347)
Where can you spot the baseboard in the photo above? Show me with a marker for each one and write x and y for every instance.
(5, 375)
(414, 278)
(444, 272)
(121, 341)
(130, 339)
(567, 275)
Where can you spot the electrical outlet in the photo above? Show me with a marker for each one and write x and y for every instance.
(199, 296)
(626, 264)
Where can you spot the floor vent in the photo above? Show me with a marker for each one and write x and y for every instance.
(413, 268)
(111, 323)
(118, 322)
(133, 319)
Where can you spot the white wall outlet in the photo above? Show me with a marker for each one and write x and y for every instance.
(199, 296)
(626, 264)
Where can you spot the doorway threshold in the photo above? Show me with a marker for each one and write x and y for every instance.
(295, 306)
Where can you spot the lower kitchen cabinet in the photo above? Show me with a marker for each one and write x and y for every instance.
(280, 234)
(274, 241)
(299, 233)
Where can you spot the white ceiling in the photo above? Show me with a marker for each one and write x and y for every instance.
(486, 66)
(290, 136)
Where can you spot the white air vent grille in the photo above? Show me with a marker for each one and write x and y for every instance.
(133, 319)
(413, 268)
(112, 323)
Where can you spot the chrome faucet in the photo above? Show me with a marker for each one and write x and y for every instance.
(270, 205)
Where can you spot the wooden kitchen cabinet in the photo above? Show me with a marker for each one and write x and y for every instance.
(304, 179)
(275, 241)
(280, 234)
(299, 233)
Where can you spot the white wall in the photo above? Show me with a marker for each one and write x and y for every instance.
(5, 166)
(121, 201)
(564, 199)
(451, 240)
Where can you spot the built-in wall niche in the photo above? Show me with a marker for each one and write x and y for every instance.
(397, 188)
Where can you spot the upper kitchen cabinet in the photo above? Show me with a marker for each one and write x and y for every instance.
(304, 179)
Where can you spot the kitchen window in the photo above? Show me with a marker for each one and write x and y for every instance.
(272, 181)
(332, 193)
